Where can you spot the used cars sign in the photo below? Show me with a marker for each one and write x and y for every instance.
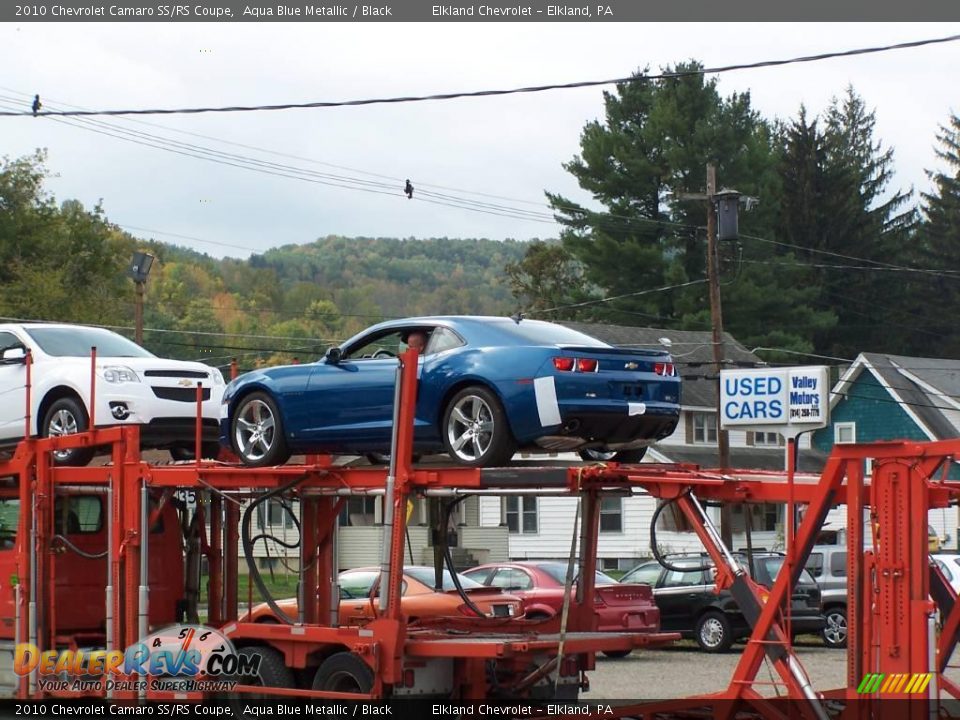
(775, 397)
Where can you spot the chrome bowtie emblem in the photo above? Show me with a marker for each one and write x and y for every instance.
(185, 382)
(631, 366)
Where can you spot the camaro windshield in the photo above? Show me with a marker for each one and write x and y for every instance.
(76, 342)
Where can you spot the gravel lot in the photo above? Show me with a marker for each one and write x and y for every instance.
(682, 670)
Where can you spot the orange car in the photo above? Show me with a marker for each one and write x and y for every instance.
(359, 598)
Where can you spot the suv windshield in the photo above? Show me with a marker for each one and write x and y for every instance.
(77, 341)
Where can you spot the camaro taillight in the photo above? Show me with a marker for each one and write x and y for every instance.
(569, 364)
(665, 369)
(587, 365)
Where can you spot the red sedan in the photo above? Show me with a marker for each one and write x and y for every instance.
(540, 585)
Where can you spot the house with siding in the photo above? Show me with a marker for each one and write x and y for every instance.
(541, 527)
(892, 397)
(361, 535)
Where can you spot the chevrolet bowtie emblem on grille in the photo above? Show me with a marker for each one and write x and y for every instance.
(631, 366)
(185, 383)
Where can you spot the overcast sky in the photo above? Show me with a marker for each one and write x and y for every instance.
(508, 146)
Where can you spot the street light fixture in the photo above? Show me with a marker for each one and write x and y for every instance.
(139, 270)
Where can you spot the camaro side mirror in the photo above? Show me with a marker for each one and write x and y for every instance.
(14, 355)
(333, 355)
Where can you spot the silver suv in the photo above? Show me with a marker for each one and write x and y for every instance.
(828, 565)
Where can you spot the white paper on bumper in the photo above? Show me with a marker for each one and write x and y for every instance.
(547, 406)
(636, 408)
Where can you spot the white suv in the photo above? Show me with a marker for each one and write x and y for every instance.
(133, 387)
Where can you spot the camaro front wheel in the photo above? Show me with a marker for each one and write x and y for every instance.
(475, 429)
(257, 431)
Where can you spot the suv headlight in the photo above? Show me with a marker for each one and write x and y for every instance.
(217, 376)
(119, 374)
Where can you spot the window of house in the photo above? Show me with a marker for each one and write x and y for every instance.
(358, 511)
(845, 432)
(704, 428)
(767, 438)
(611, 514)
(274, 515)
(763, 516)
(521, 515)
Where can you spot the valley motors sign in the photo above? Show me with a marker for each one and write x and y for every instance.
(786, 400)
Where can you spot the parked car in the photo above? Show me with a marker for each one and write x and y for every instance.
(488, 387)
(949, 564)
(689, 605)
(828, 565)
(540, 585)
(360, 590)
(133, 387)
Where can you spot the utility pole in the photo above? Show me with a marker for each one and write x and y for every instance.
(139, 270)
(716, 322)
(138, 315)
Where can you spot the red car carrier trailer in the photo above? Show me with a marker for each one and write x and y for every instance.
(131, 586)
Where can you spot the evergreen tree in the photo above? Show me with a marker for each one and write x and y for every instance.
(938, 247)
(649, 152)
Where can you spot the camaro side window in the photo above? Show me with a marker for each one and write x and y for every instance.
(384, 346)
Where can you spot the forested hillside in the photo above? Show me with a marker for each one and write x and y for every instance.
(62, 262)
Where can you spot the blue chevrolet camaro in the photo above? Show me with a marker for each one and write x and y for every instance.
(489, 386)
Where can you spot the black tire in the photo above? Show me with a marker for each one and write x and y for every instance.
(344, 672)
(834, 634)
(491, 447)
(624, 456)
(256, 431)
(65, 417)
(210, 450)
(273, 672)
(713, 632)
(617, 653)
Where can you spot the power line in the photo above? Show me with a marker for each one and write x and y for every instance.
(874, 268)
(878, 263)
(491, 93)
(618, 297)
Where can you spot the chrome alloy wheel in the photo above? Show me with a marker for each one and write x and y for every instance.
(63, 422)
(835, 633)
(470, 428)
(598, 455)
(711, 633)
(255, 428)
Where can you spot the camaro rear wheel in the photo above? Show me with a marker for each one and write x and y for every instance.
(257, 431)
(623, 456)
(475, 429)
(67, 416)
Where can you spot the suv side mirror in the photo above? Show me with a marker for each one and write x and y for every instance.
(15, 355)
(333, 355)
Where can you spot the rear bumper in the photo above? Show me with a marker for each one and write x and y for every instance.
(615, 425)
(618, 619)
